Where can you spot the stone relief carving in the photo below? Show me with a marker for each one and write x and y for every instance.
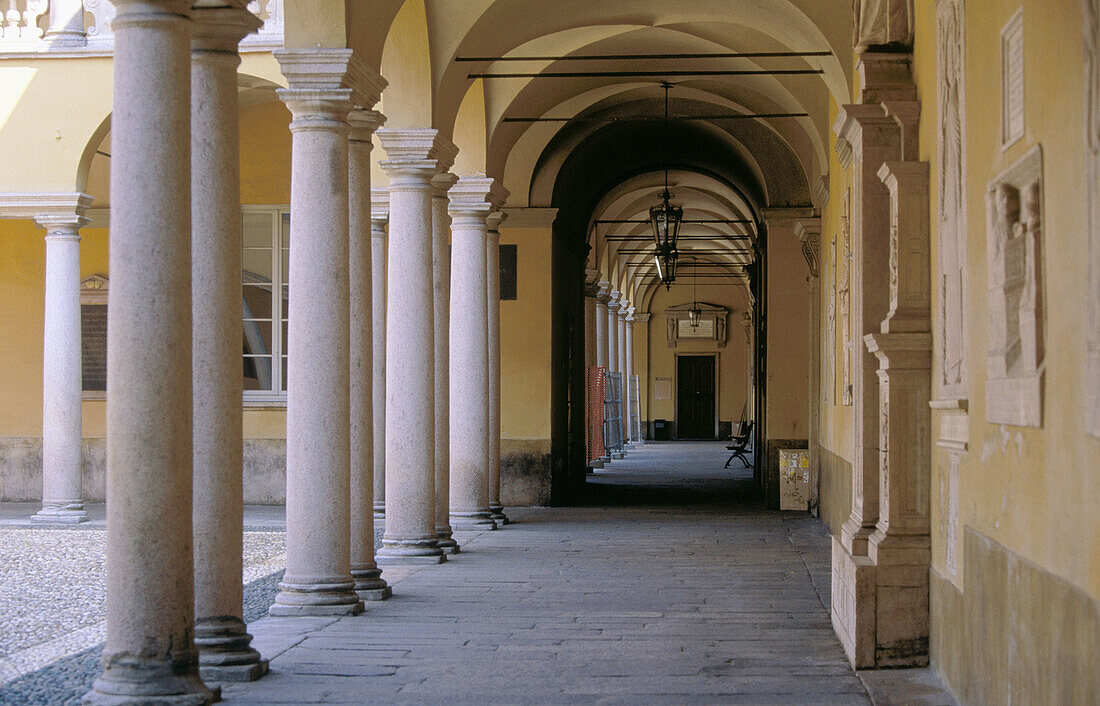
(883, 25)
(1014, 242)
(844, 302)
(952, 206)
(830, 325)
(1092, 142)
(809, 251)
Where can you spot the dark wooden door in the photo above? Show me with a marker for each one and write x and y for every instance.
(695, 397)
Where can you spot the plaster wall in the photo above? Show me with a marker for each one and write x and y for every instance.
(1015, 617)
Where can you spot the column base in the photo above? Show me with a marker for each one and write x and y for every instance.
(129, 680)
(595, 464)
(369, 584)
(880, 610)
(68, 513)
(497, 513)
(380, 511)
(225, 653)
(315, 599)
(476, 521)
(619, 455)
(445, 541)
(406, 551)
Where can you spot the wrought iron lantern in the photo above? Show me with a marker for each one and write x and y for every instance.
(666, 266)
(694, 314)
(666, 218)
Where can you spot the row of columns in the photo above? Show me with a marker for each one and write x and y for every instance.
(610, 341)
(174, 427)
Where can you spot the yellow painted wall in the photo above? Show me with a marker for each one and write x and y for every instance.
(525, 338)
(788, 349)
(1033, 489)
(661, 358)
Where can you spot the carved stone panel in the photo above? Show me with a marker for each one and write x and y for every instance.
(844, 302)
(1014, 362)
(952, 276)
(1092, 142)
(830, 325)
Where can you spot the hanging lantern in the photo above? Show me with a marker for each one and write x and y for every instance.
(694, 314)
(666, 266)
(666, 220)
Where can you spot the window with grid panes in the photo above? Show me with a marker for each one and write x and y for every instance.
(265, 289)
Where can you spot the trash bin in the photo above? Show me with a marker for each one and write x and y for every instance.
(662, 430)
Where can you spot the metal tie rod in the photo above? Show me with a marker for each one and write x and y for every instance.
(686, 220)
(642, 74)
(643, 57)
(650, 118)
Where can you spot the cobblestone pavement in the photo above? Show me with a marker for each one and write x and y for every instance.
(673, 587)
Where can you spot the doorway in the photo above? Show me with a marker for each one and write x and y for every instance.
(695, 397)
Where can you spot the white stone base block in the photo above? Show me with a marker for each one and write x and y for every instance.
(473, 522)
(316, 599)
(877, 610)
(225, 654)
(61, 513)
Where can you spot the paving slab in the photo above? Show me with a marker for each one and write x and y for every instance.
(673, 586)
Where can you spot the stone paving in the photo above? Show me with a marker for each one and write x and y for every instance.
(673, 587)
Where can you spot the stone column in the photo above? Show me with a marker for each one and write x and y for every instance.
(318, 478)
(62, 497)
(413, 158)
(66, 26)
(624, 407)
(628, 346)
(150, 655)
(641, 324)
(224, 645)
(472, 199)
(602, 298)
(613, 350)
(369, 584)
(590, 328)
(613, 331)
(379, 216)
(492, 273)
(441, 279)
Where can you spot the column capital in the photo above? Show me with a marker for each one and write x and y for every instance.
(496, 218)
(363, 125)
(317, 94)
(603, 293)
(592, 277)
(218, 30)
(441, 184)
(642, 318)
(379, 211)
(422, 152)
(808, 232)
(475, 196)
(46, 208)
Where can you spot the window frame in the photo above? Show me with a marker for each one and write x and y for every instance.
(276, 396)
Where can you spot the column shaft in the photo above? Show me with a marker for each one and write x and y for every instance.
(492, 274)
(379, 216)
(469, 432)
(624, 405)
(224, 651)
(441, 295)
(413, 158)
(62, 497)
(369, 584)
(318, 572)
(628, 346)
(150, 654)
